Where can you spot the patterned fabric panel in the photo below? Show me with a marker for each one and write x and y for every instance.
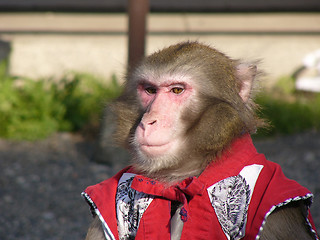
(131, 205)
(230, 199)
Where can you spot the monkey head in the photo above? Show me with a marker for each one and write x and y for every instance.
(181, 107)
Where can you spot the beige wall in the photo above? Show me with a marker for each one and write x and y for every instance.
(278, 55)
(99, 45)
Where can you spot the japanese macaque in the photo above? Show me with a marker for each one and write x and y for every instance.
(184, 114)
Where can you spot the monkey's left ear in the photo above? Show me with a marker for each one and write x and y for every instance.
(246, 74)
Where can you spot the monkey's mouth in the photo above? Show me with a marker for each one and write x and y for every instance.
(154, 149)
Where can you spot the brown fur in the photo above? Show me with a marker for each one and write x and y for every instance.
(288, 223)
(218, 116)
(95, 231)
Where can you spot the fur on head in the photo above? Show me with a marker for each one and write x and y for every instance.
(221, 108)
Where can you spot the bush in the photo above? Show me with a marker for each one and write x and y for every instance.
(84, 98)
(289, 111)
(35, 109)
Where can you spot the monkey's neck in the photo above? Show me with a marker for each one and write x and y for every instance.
(193, 166)
(174, 174)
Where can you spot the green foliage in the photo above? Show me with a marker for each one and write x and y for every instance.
(286, 84)
(32, 109)
(287, 110)
(35, 109)
(83, 97)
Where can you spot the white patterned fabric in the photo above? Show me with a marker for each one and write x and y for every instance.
(230, 199)
(131, 205)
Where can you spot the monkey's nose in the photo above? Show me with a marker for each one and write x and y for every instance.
(141, 125)
(144, 124)
(152, 122)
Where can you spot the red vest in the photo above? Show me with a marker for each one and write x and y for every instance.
(229, 200)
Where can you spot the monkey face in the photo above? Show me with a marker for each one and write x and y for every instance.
(181, 107)
(160, 132)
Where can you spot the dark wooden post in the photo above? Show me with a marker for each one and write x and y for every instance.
(137, 10)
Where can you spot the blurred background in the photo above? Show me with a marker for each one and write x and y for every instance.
(91, 36)
(61, 61)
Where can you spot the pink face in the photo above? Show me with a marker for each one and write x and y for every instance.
(160, 129)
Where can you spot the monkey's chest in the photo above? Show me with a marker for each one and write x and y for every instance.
(148, 214)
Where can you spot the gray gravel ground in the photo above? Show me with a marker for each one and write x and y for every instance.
(41, 182)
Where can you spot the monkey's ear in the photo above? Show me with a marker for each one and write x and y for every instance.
(246, 73)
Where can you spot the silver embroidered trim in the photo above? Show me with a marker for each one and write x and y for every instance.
(107, 232)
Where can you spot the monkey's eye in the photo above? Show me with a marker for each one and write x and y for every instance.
(150, 90)
(177, 90)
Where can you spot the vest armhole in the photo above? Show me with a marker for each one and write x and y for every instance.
(308, 200)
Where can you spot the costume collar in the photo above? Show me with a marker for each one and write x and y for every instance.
(231, 161)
